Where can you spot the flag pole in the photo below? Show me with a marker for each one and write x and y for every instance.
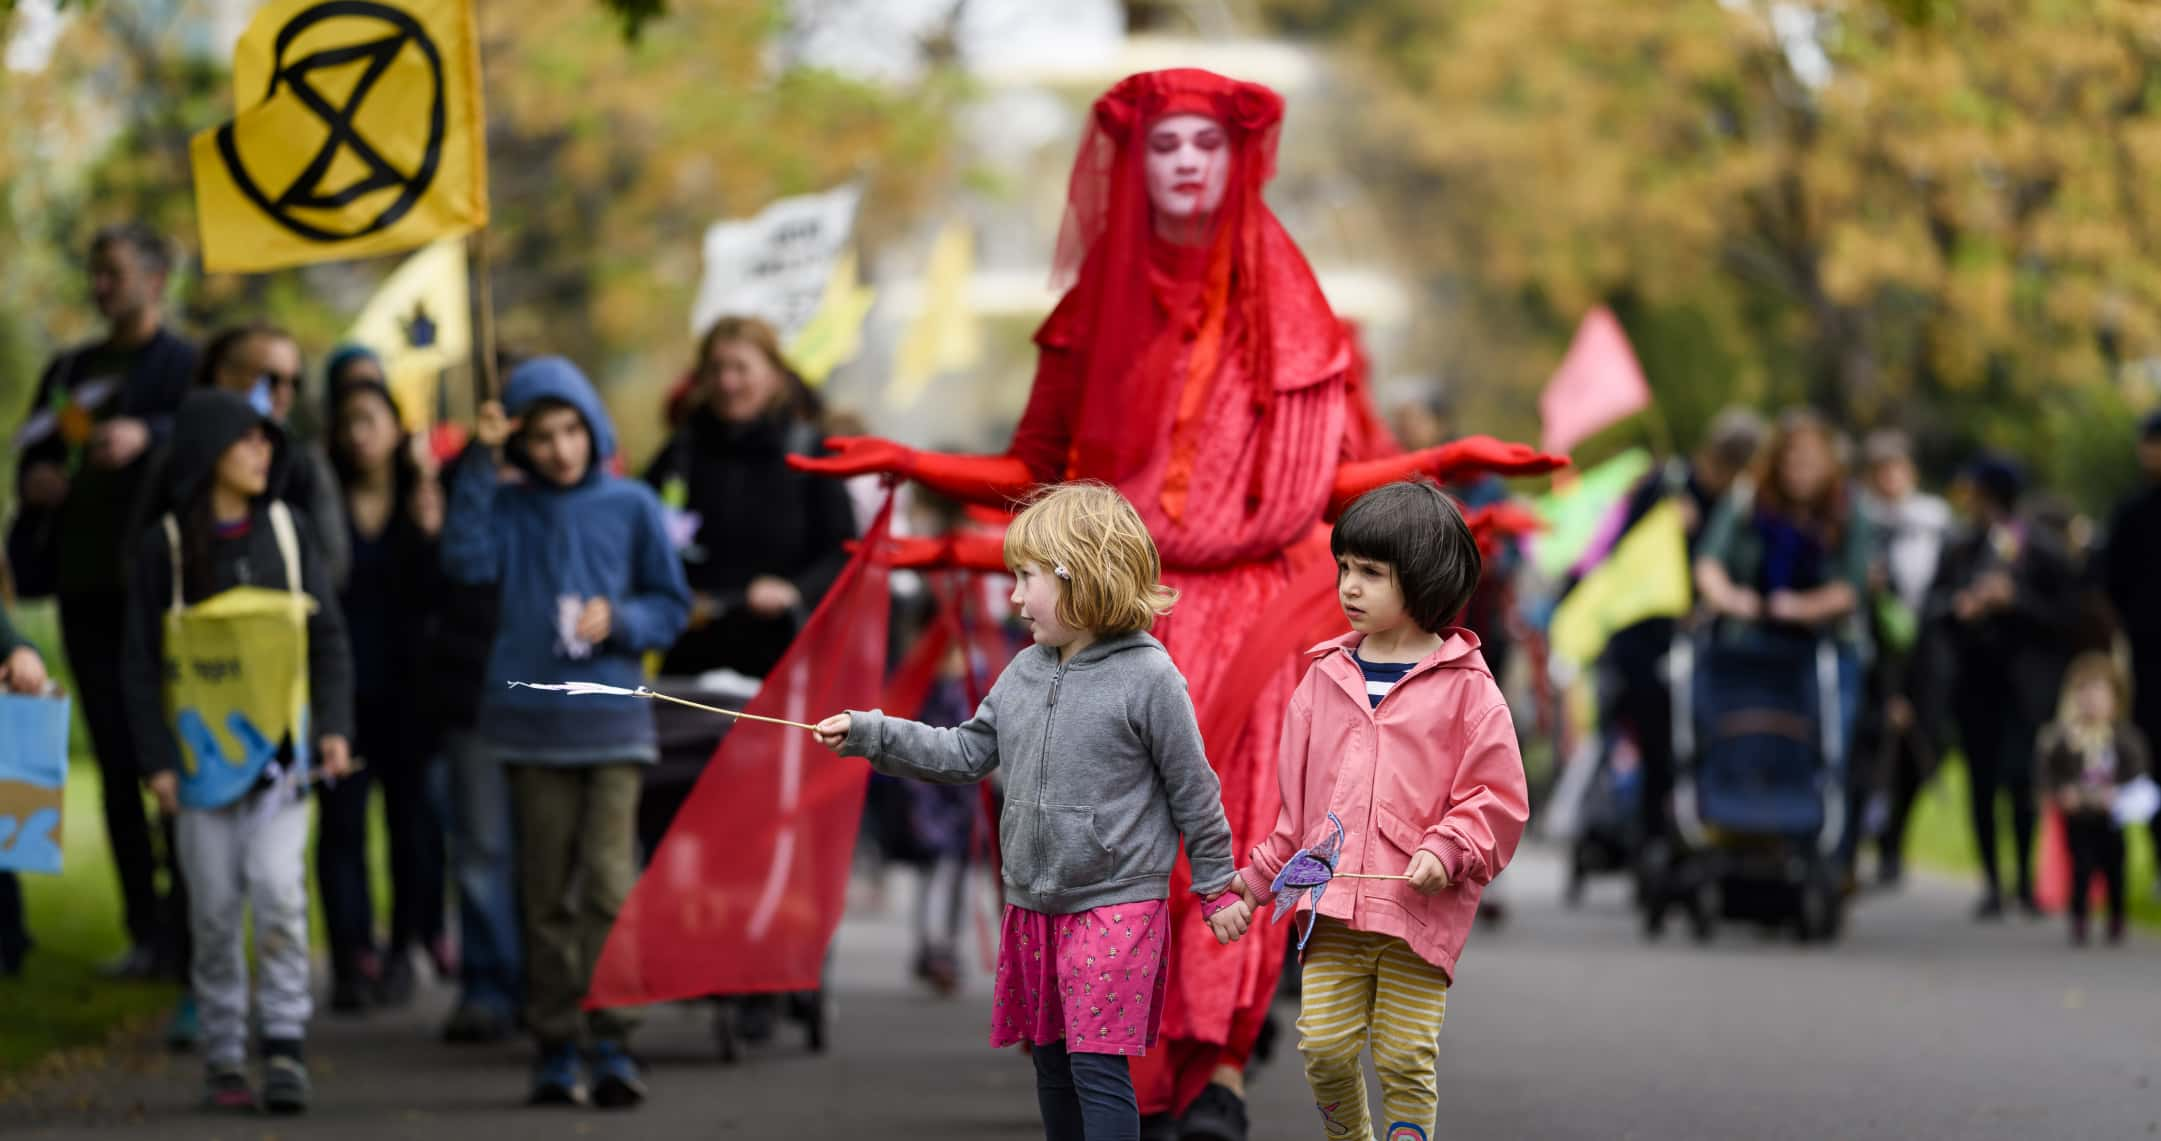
(489, 385)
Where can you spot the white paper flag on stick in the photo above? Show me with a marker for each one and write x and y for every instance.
(775, 265)
(579, 688)
(594, 688)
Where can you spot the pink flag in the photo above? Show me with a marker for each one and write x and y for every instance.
(1598, 383)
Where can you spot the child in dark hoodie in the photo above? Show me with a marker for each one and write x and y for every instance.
(588, 584)
(237, 681)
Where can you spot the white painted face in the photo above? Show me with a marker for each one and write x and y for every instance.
(1188, 166)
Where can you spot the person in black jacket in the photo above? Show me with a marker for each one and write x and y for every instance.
(764, 541)
(2131, 573)
(2006, 593)
(393, 512)
(100, 410)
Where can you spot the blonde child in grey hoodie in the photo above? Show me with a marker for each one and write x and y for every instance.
(1104, 772)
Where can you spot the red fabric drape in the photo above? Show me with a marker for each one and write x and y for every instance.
(747, 888)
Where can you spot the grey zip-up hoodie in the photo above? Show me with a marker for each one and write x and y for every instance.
(1104, 771)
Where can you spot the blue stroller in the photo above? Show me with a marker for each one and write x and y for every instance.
(1759, 787)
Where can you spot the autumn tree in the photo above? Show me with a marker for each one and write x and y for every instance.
(609, 155)
(1941, 215)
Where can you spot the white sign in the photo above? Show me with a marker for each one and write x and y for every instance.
(775, 265)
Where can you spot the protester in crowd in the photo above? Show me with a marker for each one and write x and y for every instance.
(2007, 594)
(589, 583)
(2131, 573)
(1902, 725)
(767, 540)
(100, 409)
(468, 791)
(21, 671)
(1786, 556)
(394, 512)
(1631, 672)
(262, 362)
(2088, 754)
(219, 573)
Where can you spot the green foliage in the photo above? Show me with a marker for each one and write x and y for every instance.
(607, 160)
(1903, 211)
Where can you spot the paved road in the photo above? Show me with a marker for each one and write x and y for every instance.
(1565, 1025)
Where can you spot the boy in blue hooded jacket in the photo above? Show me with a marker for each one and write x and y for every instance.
(588, 584)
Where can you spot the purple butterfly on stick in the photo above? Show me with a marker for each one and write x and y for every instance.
(1309, 871)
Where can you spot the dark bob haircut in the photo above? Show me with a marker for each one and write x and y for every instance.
(1419, 532)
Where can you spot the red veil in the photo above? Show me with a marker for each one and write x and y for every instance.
(1128, 341)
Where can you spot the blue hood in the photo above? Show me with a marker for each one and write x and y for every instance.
(555, 378)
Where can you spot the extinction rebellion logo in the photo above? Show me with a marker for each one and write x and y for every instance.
(307, 202)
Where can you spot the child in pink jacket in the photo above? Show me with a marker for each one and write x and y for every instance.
(1399, 749)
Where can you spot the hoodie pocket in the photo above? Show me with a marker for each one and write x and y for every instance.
(1075, 854)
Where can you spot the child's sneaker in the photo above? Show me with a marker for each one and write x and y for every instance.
(286, 1087)
(617, 1084)
(226, 1088)
(557, 1079)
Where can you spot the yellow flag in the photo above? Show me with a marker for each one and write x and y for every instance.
(944, 336)
(834, 334)
(1646, 576)
(421, 323)
(358, 131)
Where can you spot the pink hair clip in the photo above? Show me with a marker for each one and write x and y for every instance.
(1062, 573)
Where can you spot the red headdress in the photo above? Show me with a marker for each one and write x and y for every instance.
(1137, 304)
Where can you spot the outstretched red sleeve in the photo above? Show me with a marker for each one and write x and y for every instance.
(1036, 456)
(1447, 463)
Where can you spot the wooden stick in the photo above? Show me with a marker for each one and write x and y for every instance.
(1364, 876)
(489, 385)
(643, 692)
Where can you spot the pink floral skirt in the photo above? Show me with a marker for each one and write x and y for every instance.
(1094, 979)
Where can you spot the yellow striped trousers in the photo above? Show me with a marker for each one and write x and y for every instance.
(1358, 988)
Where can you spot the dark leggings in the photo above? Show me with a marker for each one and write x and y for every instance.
(415, 835)
(2096, 849)
(1999, 740)
(1085, 1097)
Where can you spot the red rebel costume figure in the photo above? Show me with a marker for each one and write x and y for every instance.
(1194, 364)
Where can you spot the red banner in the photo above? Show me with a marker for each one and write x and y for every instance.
(747, 888)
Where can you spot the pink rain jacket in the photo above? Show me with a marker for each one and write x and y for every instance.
(1435, 767)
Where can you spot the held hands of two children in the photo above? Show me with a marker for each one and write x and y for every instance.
(1230, 923)
(832, 731)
